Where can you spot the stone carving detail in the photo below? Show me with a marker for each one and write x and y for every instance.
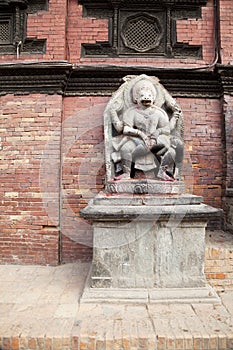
(143, 133)
(145, 186)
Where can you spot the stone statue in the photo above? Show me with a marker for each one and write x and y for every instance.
(143, 132)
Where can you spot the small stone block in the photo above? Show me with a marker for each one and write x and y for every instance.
(14, 343)
(230, 342)
(23, 343)
(152, 344)
(83, 344)
(91, 343)
(205, 341)
(197, 343)
(66, 343)
(179, 343)
(100, 345)
(57, 343)
(170, 344)
(117, 344)
(41, 343)
(109, 344)
(161, 342)
(32, 344)
(222, 342)
(134, 342)
(143, 343)
(188, 343)
(213, 342)
(126, 344)
(6, 343)
(75, 343)
(48, 344)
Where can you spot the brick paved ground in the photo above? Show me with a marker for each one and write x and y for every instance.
(39, 310)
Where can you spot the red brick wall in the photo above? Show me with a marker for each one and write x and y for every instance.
(204, 146)
(226, 30)
(29, 187)
(89, 30)
(199, 32)
(62, 18)
(83, 30)
(50, 25)
(83, 170)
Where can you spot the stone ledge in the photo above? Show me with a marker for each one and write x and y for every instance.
(148, 212)
(145, 199)
(150, 296)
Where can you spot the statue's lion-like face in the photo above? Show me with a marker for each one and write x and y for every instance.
(144, 93)
(146, 97)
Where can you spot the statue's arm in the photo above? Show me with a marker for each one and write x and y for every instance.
(163, 126)
(128, 126)
(175, 108)
(118, 124)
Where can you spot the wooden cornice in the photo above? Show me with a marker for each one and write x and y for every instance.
(226, 76)
(27, 78)
(69, 80)
(121, 3)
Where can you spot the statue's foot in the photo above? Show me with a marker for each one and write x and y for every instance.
(124, 176)
(165, 176)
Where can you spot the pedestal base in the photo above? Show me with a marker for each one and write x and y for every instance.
(150, 296)
(149, 248)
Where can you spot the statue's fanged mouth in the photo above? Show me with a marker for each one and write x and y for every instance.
(146, 102)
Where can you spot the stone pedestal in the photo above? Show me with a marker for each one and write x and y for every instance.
(148, 246)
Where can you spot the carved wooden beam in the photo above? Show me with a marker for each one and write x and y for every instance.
(226, 75)
(64, 78)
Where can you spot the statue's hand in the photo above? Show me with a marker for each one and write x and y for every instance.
(173, 120)
(145, 138)
(151, 143)
(142, 135)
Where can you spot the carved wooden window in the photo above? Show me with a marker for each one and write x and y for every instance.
(142, 28)
(141, 33)
(13, 24)
(6, 37)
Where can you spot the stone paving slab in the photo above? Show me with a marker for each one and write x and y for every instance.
(40, 310)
